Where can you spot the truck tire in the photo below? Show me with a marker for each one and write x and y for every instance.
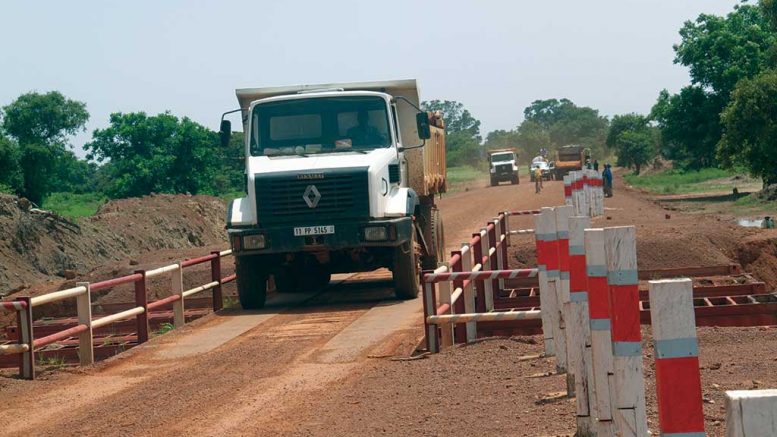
(435, 240)
(405, 270)
(251, 283)
(515, 180)
(494, 182)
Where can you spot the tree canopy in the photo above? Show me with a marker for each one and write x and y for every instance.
(633, 139)
(158, 153)
(41, 124)
(462, 132)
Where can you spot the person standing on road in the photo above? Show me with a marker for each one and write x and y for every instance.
(537, 180)
(607, 178)
(596, 165)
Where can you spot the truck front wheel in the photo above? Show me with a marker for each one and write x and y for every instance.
(251, 283)
(405, 271)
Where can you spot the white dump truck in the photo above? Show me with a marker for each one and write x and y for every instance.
(503, 166)
(340, 178)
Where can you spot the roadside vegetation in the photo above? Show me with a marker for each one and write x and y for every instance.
(462, 175)
(676, 181)
(72, 205)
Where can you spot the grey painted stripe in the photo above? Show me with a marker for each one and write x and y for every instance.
(574, 249)
(600, 324)
(623, 277)
(541, 267)
(597, 271)
(564, 274)
(553, 273)
(626, 348)
(578, 296)
(563, 235)
(684, 434)
(546, 237)
(677, 348)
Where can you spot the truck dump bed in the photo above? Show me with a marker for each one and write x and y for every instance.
(426, 165)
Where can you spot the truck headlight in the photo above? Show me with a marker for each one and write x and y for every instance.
(380, 233)
(253, 242)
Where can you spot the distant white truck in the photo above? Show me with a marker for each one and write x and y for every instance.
(340, 178)
(546, 168)
(503, 166)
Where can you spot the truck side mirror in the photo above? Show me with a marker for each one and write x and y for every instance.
(422, 121)
(225, 132)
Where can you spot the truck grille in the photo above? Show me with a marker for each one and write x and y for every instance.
(342, 193)
(504, 168)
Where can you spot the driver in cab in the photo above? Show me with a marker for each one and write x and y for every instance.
(364, 134)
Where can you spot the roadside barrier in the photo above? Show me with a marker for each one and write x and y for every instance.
(27, 345)
(751, 413)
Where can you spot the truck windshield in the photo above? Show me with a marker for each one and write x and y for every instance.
(502, 157)
(319, 125)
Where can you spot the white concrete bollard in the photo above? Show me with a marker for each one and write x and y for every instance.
(547, 264)
(578, 328)
(751, 413)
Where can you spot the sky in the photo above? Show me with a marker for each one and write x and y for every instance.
(496, 57)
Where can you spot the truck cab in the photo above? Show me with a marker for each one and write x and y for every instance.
(340, 178)
(503, 166)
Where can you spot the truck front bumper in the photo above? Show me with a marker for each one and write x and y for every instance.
(347, 235)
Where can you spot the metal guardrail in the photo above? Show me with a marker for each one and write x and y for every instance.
(23, 306)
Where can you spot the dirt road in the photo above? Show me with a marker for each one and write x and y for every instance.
(318, 364)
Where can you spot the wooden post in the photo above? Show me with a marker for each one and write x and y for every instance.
(678, 381)
(26, 336)
(469, 293)
(480, 289)
(578, 327)
(176, 285)
(459, 330)
(562, 231)
(215, 276)
(751, 413)
(601, 340)
(629, 389)
(85, 339)
(488, 289)
(430, 309)
(545, 238)
(141, 300)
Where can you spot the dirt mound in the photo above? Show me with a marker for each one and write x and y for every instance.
(758, 255)
(36, 246)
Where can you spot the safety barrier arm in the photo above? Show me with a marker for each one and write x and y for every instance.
(23, 306)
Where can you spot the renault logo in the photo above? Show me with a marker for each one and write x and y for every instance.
(311, 196)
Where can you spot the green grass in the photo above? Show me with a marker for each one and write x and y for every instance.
(679, 181)
(74, 205)
(458, 175)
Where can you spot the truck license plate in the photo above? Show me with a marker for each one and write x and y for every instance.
(314, 230)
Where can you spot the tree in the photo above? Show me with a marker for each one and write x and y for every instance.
(566, 123)
(41, 124)
(462, 132)
(750, 124)
(156, 154)
(11, 177)
(457, 118)
(719, 52)
(633, 139)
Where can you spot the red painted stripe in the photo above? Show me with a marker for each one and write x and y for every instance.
(116, 281)
(678, 391)
(200, 260)
(598, 298)
(577, 273)
(624, 312)
(567, 190)
(563, 254)
(549, 254)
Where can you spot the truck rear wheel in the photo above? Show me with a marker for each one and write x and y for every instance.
(435, 241)
(251, 283)
(405, 271)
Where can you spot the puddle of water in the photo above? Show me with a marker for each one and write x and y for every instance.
(753, 223)
(750, 223)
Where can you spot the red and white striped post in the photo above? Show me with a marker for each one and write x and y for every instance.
(629, 385)
(26, 336)
(678, 380)
(562, 231)
(176, 286)
(578, 328)
(485, 248)
(601, 340)
(568, 190)
(141, 300)
(494, 258)
(480, 288)
(548, 259)
(505, 228)
(469, 293)
(459, 331)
